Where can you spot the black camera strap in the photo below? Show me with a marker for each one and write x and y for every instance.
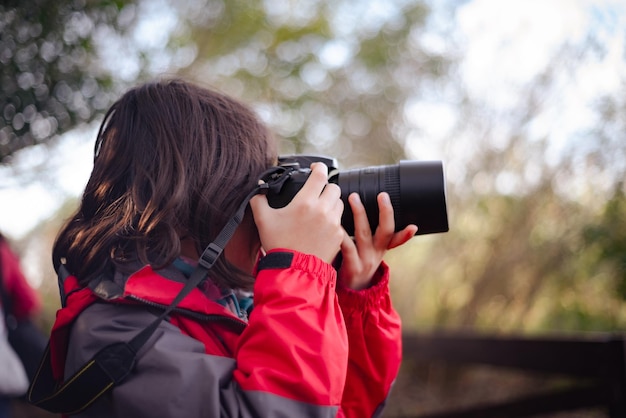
(113, 363)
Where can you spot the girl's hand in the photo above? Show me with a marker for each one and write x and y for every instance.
(310, 223)
(363, 255)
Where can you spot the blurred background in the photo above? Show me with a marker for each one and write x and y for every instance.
(524, 101)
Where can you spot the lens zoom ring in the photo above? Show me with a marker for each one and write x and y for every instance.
(392, 187)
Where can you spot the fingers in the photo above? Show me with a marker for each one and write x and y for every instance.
(331, 196)
(315, 213)
(402, 237)
(386, 221)
(363, 255)
(385, 236)
(315, 183)
(310, 223)
(317, 191)
(348, 247)
(362, 229)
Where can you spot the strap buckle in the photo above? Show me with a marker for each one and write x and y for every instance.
(210, 255)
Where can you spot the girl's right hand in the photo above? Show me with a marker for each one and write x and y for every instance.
(310, 223)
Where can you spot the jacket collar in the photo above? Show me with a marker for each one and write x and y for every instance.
(159, 288)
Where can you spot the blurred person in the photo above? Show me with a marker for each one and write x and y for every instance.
(274, 328)
(20, 305)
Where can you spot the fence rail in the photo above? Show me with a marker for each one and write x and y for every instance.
(596, 361)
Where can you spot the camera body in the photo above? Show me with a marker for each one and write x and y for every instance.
(416, 189)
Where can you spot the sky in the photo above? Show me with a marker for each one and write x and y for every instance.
(513, 38)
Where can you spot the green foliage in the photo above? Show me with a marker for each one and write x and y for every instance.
(608, 239)
(535, 263)
(50, 79)
(319, 103)
(527, 249)
(580, 318)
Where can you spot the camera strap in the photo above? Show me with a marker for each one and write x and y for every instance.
(112, 364)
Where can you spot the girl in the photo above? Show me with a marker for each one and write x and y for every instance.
(173, 162)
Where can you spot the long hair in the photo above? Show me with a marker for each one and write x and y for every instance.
(172, 160)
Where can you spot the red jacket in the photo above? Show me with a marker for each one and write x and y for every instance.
(311, 347)
(25, 301)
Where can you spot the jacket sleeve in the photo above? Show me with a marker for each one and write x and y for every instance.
(295, 345)
(375, 340)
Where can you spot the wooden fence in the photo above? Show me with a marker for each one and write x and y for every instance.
(595, 362)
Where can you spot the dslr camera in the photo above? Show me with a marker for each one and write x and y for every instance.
(416, 189)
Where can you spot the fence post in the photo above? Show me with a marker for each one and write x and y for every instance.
(617, 378)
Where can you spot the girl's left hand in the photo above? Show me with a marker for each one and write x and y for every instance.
(363, 254)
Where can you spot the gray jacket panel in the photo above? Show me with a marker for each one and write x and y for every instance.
(174, 377)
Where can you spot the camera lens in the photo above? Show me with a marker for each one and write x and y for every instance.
(416, 189)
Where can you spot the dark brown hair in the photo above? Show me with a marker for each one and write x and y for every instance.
(172, 160)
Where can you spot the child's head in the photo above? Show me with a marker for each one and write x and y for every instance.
(172, 160)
